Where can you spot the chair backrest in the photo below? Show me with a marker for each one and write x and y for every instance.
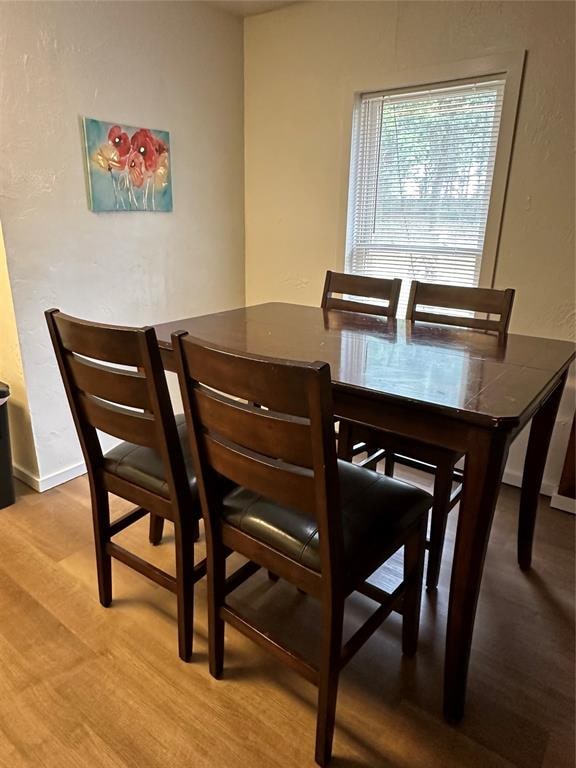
(282, 449)
(130, 402)
(364, 287)
(484, 300)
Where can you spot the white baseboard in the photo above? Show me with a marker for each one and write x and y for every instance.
(41, 484)
(514, 477)
(563, 503)
(511, 477)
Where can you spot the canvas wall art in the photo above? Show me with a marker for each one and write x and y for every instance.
(128, 168)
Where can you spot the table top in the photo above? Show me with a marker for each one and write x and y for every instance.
(470, 375)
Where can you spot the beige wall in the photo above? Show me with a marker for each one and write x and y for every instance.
(12, 373)
(302, 67)
(167, 65)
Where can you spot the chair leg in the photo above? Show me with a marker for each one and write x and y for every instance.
(101, 522)
(440, 510)
(156, 529)
(345, 441)
(184, 588)
(371, 463)
(332, 619)
(389, 464)
(216, 587)
(413, 576)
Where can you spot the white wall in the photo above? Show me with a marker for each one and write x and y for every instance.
(173, 66)
(303, 65)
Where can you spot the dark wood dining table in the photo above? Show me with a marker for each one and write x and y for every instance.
(463, 390)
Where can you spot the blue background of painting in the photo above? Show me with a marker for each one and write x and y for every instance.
(101, 192)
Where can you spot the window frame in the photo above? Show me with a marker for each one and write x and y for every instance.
(508, 66)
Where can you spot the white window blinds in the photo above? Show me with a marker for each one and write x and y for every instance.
(421, 177)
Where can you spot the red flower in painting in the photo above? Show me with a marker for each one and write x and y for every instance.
(160, 146)
(145, 144)
(136, 168)
(120, 141)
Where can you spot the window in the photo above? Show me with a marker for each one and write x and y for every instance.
(421, 181)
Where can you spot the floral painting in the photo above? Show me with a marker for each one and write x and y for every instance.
(128, 168)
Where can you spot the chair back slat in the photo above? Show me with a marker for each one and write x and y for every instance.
(101, 342)
(361, 286)
(113, 384)
(286, 484)
(265, 432)
(489, 301)
(477, 323)
(276, 391)
(132, 426)
(285, 454)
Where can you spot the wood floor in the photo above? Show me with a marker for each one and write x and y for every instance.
(84, 686)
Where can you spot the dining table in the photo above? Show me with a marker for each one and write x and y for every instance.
(464, 390)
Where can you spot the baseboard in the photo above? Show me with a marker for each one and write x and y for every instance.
(511, 477)
(41, 484)
(514, 477)
(564, 503)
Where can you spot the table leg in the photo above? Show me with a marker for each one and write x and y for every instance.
(483, 473)
(536, 454)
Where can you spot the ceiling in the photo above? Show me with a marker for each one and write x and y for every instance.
(250, 7)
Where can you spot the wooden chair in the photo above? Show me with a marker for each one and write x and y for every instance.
(429, 458)
(364, 287)
(151, 469)
(487, 301)
(322, 525)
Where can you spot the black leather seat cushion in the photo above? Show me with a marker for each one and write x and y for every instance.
(375, 508)
(143, 466)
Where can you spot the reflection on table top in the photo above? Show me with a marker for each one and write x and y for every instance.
(471, 373)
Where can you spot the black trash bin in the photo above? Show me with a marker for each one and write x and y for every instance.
(6, 482)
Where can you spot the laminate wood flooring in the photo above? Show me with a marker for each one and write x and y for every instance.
(82, 686)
